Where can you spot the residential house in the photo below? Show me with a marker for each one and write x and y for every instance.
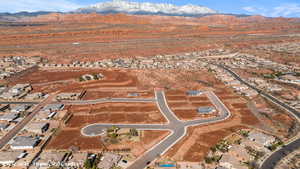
(20, 108)
(48, 159)
(35, 96)
(67, 96)
(133, 94)
(194, 92)
(76, 160)
(8, 95)
(240, 153)
(9, 116)
(261, 138)
(221, 167)
(250, 93)
(206, 110)
(231, 162)
(53, 107)
(3, 125)
(109, 160)
(19, 88)
(254, 145)
(233, 83)
(37, 127)
(24, 142)
(42, 116)
(8, 158)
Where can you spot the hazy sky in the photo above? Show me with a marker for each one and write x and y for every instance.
(273, 8)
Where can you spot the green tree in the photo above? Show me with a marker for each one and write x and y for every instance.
(88, 164)
(134, 132)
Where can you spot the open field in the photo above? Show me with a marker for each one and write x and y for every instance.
(96, 94)
(71, 137)
(67, 138)
(127, 113)
(68, 81)
(93, 41)
(195, 146)
(113, 36)
(185, 107)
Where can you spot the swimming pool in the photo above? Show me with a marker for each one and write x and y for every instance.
(167, 165)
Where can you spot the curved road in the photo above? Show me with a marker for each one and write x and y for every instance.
(272, 160)
(177, 127)
(280, 154)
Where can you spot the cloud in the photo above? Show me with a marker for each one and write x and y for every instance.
(250, 9)
(37, 5)
(284, 10)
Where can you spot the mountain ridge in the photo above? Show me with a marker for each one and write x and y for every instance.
(146, 8)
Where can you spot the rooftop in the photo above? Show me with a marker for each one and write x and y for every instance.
(109, 160)
(47, 158)
(9, 156)
(206, 110)
(261, 138)
(36, 127)
(53, 107)
(3, 125)
(194, 92)
(9, 116)
(23, 142)
(77, 159)
(230, 161)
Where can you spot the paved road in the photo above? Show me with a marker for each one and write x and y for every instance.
(108, 100)
(271, 161)
(268, 96)
(12, 133)
(280, 154)
(177, 127)
(17, 102)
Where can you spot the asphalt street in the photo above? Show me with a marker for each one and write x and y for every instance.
(13, 132)
(271, 161)
(270, 97)
(177, 127)
(280, 154)
(19, 102)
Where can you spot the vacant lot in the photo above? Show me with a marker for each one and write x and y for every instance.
(185, 107)
(68, 81)
(96, 94)
(67, 138)
(115, 113)
(71, 137)
(195, 146)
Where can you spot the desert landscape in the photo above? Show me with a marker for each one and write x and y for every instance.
(86, 89)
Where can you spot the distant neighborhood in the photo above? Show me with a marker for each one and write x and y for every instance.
(35, 117)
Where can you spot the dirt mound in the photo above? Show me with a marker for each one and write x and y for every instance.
(88, 18)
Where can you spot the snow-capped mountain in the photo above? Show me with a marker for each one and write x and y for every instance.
(123, 6)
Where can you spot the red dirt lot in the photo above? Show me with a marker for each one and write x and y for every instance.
(119, 35)
(72, 137)
(185, 107)
(148, 139)
(212, 138)
(44, 76)
(195, 146)
(115, 113)
(94, 94)
(110, 108)
(68, 81)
